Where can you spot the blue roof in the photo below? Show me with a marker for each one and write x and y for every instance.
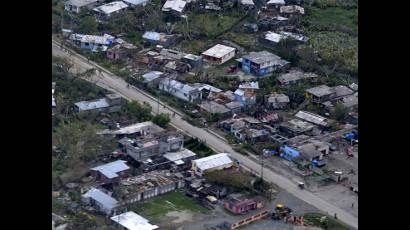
(105, 200)
(90, 105)
(289, 152)
(155, 36)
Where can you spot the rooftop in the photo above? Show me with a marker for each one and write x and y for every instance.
(185, 88)
(176, 5)
(102, 198)
(249, 85)
(312, 118)
(150, 76)
(213, 161)
(247, 2)
(146, 181)
(110, 170)
(94, 104)
(292, 9)
(180, 155)
(273, 37)
(111, 7)
(218, 51)
(132, 221)
(151, 35)
(297, 125)
(320, 91)
(213, 107)
(80, 3)
(201, 86)
(106, 39)
(278, 2)
(136, 2)
(264, 57)
(192, 57)
(233, 105)
(277, 98)
(342, 91)
(147, 126)
(294, 75)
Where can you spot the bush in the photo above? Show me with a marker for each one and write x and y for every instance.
(162, 119)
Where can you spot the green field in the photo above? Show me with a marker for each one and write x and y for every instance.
(157, 207)
(329, 223)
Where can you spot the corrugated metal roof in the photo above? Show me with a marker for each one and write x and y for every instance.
(311, 117)
(292, 9)
(320, 90)
(213, 161)
(264, 57)
(136, 2)
(106, 39)
(152, 75)
(80, 3)
(132, 221)
(218, 51)
(277, 2)
(110, 170)
(273, 37)
(104, 199)
(249, 85)
(111, 7)
(90, 105)
(176, 5)
(174, 156)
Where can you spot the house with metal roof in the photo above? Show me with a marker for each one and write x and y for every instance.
(262, 63)
(95, 105)
(110, 9)
(219, 54)
(135, 3)
(213, 107)
(132, 221)
(159, 38)
(211, 163)
(176, 6)
(319, 94)
(295, 127)
(312, 118)
(180, 157)
(102, 201)
(180, 90)
(92, 42)
(276, 100)
(292, 9)
(152, 78)
(295, 77)
(111, 172)
(76, 6)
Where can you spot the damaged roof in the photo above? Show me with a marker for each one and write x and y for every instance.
(218, 51)
(265, 56)
(111, 7)
(320, 91)
(312, 118)
(176, 5)
(90, 105)
(110, 170)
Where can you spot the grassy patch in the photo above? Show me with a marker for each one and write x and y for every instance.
(329, 223)
(243, 39)
(198, 147)
(173, 201)
(331, 19)
(194, 46)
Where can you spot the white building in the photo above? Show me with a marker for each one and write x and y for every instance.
(76, 6)
(219, 54)
(174, 5)
(213, 162)
(180, 90)
(134, 3)
(111, 9)
(103, 202)
(132, 221)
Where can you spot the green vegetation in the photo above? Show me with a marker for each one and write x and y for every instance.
(231, 178)
(201, 149)
(158, 207)
(162, 120)
(332, 19)
(88, 25)
(340, 112)
(327, 223)
(245, 40)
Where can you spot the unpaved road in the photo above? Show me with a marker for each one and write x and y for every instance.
(109, 81)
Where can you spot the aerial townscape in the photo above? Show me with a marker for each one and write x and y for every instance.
(204, 114)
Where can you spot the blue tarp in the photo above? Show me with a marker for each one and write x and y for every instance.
(288, 153)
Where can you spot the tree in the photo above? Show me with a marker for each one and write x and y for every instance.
(340, 112)
(88, 25)
(161, 119)
(234, 179)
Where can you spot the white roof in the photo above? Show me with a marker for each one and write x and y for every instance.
(110, 170)
(239, 92)
(95, 39)
(247, 2)
(213, 161)
(298, 37)
(278, 2)
(151, 35)
(292, 9)
(111, 7)
(152, 75)
(90, 105)
(175, 156)
(176, 5)
(136, 2)
(104, 199)
(218, 51)
(80, 3)
(249, 85)
(136, 128)
(132, 221)
(311, 117)
(272, 36)
(201, 86)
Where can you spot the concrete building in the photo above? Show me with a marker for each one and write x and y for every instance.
(213, 107)
(111, 172)
(312, 118)
(110, 9)
(111, 103)
(292, 9)
(193, 60)
(121, 51)
(320, 94)
(92, 42)
(276, 100)
(174, 6)
(295, 127)
(180, 157)
(295, 77)
(219, 54)
(77, 6)
(152, 79)
(132, 221)
(180, 90)
(211, 163)
(313, 150)
(147, 185)
(135, 3)
(240, 204)
(262, 63)
(159, 38)
(135, 130)
(100, 200)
